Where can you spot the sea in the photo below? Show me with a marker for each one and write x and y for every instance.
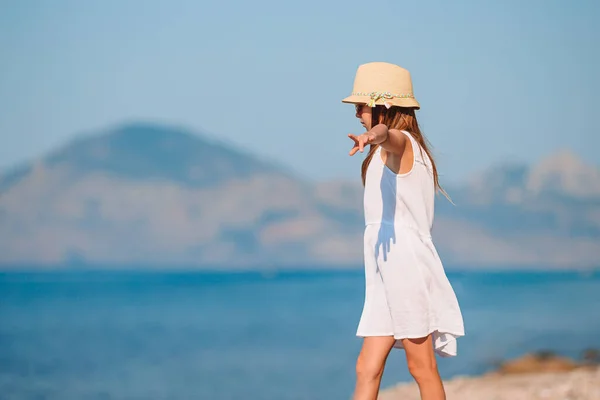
(78, 335)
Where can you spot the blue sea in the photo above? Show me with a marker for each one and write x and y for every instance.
(190, 335)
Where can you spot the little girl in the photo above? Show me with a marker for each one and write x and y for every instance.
(409, 302)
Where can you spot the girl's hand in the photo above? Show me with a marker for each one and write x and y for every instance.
(376, 135)
(361, 141)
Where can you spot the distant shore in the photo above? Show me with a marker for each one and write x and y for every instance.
(541, 376)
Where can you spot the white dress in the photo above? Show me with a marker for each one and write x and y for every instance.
(407, 292)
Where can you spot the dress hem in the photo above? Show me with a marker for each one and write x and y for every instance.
(438, 349)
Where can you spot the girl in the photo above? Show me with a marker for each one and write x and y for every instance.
(409, 303)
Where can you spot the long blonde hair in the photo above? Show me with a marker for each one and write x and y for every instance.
(401, 118)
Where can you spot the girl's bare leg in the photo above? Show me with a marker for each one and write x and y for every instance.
(370, 366)
(422, 365)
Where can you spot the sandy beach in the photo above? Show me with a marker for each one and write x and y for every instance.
(531, 377)
(581, 384)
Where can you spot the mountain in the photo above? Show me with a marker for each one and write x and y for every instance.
(544, 214)
(159, 196)
(152, 195)
(146, 152)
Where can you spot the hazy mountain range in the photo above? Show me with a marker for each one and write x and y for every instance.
(156, 196)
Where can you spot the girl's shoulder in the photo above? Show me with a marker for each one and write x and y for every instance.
(419, 153)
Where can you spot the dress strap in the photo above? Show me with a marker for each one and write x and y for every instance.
(418, 153)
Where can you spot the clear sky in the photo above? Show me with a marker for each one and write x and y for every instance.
(496, 80)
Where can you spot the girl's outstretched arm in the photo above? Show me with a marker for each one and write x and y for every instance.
(391, 140)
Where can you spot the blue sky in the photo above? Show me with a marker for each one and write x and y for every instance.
(497, 81)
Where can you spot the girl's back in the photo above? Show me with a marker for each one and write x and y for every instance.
(403, 199)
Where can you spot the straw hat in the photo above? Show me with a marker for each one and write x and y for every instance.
(380, 83)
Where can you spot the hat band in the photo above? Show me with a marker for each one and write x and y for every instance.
(383, 95)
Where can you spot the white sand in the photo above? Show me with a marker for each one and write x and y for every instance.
(580, 384)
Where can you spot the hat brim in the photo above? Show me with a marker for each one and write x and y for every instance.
(407, 102)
